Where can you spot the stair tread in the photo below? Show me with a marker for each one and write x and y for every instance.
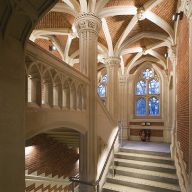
(121, 188)
(145, 182)
(143, 155)
(145, 172)
(141, 150)
(145, 163)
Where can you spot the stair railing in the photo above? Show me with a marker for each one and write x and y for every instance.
(75, 179)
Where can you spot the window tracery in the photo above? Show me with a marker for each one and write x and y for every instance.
(147, 93)
(102, 87)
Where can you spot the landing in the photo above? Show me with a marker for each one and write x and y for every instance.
(148, 146)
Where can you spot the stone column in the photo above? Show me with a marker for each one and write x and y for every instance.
(12, 115)
(123, 102)
(88, 27)
(190, 106)
(112, 64)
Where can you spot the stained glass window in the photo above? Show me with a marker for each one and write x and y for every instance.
(101, 90)
(154, 106)
(153, 87)
(141, 106)
(103, 102)
(105, 78)
(141, 88)
(147, 73)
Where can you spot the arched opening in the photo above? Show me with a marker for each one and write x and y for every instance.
(47, 89)
(34, 85)
(52, 154)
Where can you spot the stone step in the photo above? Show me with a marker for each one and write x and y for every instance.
(142, 183)
(145, 165)
(110, 187)
(155, 153)
(145, 174)
(144, 157)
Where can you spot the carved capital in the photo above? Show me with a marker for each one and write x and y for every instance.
(123, 78)
(88, 22)
(141, 13)
(113, 61)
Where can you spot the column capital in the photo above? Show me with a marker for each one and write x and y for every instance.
(88, 22)
(112, 61)
(123, 78)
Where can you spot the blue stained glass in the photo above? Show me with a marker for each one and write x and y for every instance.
(103, 102)
(141, 106)
(154, 106)
(105, 78)
(101, 90)
(141, 88)
(153, 87)
(147, 73)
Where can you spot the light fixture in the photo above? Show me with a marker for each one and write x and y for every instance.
(52, 48)
(166, 55)
(174, 18)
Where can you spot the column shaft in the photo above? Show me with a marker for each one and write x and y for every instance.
(88, 26)
(12, 113)
(112, 86)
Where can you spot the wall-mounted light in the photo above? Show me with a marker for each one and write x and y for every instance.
(52, 48)
(174, 18)
(166, 55)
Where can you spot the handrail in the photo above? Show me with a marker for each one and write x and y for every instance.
(74, 179)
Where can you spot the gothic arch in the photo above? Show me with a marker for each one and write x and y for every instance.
(81, 129)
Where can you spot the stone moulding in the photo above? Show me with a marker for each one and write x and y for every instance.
(186, 7)
(88, 22)
(115, 61)
(181, 170)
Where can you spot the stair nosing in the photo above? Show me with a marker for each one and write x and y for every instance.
(145, 183)
(145, 173)
(144, 163)
(144, 156)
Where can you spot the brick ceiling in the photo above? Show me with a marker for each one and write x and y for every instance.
(135, 3)
(128, 57)
(102, 39)
(144, 42)
(144, 25)
(116, 25)
(165, 10)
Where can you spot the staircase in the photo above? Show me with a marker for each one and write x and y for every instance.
(142, 171)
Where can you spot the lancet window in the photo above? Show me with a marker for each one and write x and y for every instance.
(102, 87)
(147, 93)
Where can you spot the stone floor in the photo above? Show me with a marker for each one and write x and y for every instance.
(148, 146)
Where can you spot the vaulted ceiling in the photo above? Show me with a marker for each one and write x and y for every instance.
(123, 34)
